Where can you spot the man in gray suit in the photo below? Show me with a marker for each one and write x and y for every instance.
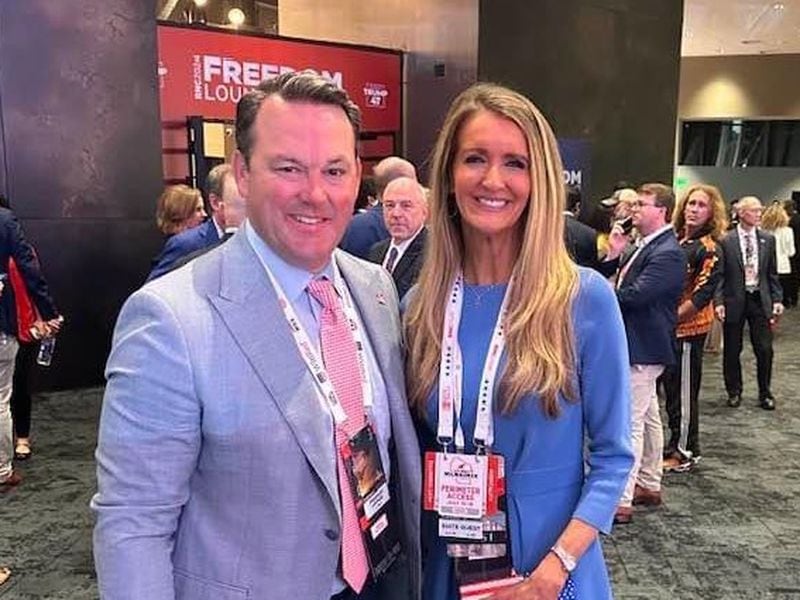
(218, 474)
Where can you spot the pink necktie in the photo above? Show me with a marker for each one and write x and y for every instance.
(341, 363)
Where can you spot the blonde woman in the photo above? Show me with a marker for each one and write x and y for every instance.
(498, 283)
(776, 220)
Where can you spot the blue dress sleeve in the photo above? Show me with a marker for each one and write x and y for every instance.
(604, 387)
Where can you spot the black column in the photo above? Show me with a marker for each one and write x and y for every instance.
(82, 159)
(604, 70)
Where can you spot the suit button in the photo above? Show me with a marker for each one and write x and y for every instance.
(331, 534)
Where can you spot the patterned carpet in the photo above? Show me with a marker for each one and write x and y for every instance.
(729, 530)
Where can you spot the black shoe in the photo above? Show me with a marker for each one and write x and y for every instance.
(734, 400)
(768, 402)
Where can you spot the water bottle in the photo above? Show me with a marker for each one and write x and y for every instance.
(46, 348)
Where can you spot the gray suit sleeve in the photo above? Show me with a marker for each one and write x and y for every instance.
(148, 445)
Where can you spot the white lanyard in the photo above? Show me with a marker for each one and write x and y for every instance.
(309, 352)
(451, 374)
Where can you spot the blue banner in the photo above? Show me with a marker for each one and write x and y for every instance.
(576, 156)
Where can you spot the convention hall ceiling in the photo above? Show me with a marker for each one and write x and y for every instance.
(714, 27)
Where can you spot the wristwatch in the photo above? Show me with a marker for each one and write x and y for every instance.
(568, 562)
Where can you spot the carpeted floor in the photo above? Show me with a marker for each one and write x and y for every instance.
(729, 530)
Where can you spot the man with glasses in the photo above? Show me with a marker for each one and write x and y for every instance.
(649, 284)
(750, 291)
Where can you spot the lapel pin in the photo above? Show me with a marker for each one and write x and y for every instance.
(381, 298)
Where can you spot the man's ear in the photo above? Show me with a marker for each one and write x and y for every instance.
(358, 169)
(215, 202)
(242, 174)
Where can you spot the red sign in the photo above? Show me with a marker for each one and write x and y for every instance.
(205, 73)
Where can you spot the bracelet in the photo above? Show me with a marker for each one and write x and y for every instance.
(568, 562)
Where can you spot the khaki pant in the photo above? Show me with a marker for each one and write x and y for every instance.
(8, 352)
(647, 435)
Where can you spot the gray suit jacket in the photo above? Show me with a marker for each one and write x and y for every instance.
(215, 478)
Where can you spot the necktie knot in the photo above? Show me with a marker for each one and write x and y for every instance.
(323, 291)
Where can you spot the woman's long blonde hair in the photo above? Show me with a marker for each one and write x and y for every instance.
(774, 217)
(540, 342)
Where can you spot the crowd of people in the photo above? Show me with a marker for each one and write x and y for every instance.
(449, 394)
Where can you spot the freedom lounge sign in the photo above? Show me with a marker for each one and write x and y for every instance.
(205, 72)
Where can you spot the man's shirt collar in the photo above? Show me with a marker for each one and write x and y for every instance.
(294, 280)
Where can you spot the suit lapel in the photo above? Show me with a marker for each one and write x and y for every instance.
(737, 248)
(409, 256)
(763, 255)
(248, 305)
(648, 248)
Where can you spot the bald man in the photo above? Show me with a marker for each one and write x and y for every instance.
(750, 291)
(405, 210)
(368, 227)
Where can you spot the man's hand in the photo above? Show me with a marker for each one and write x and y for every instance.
(617, 240)
(545, 582)
(54, 325)
(43, 329)
(720, 312)
(777, 309)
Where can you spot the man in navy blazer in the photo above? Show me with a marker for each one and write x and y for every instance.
(368, 228)
(221, 191)
(649, 284)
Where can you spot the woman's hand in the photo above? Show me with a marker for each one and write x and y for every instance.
(544, 583)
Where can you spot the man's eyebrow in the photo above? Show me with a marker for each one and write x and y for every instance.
(284, 158)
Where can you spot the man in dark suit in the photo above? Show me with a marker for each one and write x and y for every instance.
(14, 245)
(221, 185)
(405, 209)
(581, 240)
(368, 227)
(649, 285)
(749, 291)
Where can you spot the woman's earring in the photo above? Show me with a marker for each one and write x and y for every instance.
(452, 207)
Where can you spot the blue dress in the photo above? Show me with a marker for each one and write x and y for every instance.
(548, 479)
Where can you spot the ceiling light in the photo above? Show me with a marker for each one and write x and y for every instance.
(200, 3)
(778, 6)
(236, 17)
